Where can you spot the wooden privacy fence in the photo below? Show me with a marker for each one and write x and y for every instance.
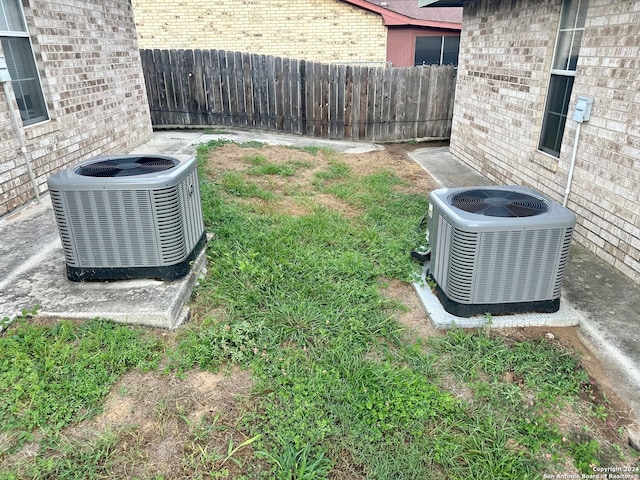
(215, 87)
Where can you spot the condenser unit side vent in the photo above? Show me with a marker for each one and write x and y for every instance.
(170, 233)
(64, 227)
(443, 231)
(462, 268)
(563, 261)
(191, 211)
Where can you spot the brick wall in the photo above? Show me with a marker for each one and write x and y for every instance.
(89, 62)
(505, 60)
(606, 192)
(318, 30)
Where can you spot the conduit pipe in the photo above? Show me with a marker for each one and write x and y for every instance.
(572, 165)
(581, 114)
(5, 79)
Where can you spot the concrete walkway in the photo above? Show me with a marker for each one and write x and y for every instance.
(32, 270)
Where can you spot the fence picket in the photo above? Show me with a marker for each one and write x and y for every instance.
(215, 91)
(293, 124)
(423, 107)
(303, 97)
(271, 92)
(348, 101)
(216, 87)
(169, 71)
(339, 101)
(411, 107)
(247, 91)
(317, 99)
(258, 79)
(333, 104)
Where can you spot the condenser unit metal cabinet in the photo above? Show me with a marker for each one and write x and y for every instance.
(498, 250)
(129, 216)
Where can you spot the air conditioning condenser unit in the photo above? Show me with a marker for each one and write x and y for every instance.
(498, 250)
(129, 216)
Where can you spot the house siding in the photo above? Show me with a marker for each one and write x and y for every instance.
(505, 61)
(401, 46)
(89, 62)
(318, 30)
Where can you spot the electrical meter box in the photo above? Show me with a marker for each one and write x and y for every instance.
(583, 109)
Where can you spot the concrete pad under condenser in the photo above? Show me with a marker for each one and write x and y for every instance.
(441, 319)
(152, 303)
(34, 273)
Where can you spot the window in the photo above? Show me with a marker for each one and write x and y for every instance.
(437, 50)
(563, 72)
(18, 53)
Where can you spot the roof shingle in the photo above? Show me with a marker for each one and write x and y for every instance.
(411, 9)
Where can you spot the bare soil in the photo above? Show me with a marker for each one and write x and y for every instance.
(161, 412)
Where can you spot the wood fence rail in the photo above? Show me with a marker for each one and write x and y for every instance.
(216, 87)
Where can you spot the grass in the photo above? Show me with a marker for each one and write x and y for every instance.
(340, 389)
(55, 375)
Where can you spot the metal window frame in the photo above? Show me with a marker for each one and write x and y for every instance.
(558, 72)
(25, 34)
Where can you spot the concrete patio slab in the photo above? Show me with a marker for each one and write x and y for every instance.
(37, 276)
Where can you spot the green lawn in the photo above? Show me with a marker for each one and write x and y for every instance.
(339, 388)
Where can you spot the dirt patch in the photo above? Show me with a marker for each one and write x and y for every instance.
(234, 158)
(394, 160)
(161, 419)
(293, 195)
(412, 315)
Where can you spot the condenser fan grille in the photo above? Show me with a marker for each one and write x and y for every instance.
(499, 203)
(126, 167)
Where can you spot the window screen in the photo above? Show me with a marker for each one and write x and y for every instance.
(437, 50)
(565, 60)
(18, 54)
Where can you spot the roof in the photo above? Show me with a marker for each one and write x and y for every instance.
(440, 3)
(407, 12)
